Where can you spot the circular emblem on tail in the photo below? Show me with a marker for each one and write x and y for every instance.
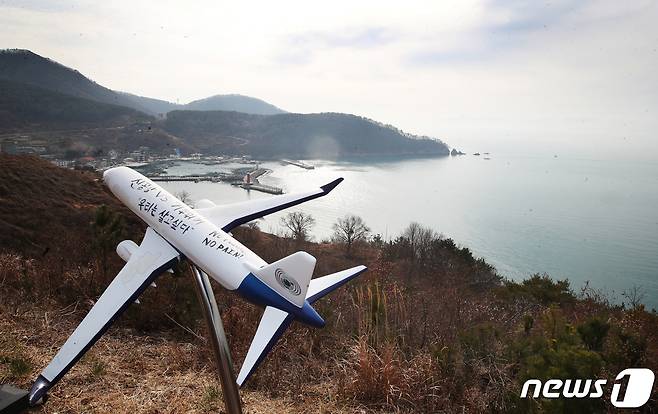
(287, 282)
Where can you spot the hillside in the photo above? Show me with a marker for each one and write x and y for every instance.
(45, 209)
(325, 135)
(429, 327)
(238, 103)
(68, 126)
(26, 67)
(26, 107)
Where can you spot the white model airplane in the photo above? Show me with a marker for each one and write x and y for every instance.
(176, 231)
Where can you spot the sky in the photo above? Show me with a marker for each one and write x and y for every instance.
(532, 77)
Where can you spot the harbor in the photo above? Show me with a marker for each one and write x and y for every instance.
(243, 173)
(192, 178)
(243, 178)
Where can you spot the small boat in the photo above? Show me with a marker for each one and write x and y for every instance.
(477, 153)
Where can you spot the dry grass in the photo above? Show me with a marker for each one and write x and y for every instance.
(128, 372)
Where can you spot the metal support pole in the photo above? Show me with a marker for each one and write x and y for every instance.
(218, 340)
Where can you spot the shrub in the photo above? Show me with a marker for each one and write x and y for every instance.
(539, 288)
(593, 332)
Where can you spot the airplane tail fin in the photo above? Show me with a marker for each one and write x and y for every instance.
(289, 277)
(274, 321)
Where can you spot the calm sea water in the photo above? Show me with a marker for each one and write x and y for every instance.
(585, 220)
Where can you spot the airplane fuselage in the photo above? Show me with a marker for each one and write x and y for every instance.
(210, 248)
(202, 242)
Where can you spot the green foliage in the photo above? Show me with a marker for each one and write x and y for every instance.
(97, 368)
(593, 333)
(539, 288)
(556, 351)
(108, 228)
(210, 400)
(19, 366)
(479, 340)
(528, 323)
(624, 349)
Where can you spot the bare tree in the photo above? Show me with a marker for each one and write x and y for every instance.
(185, 197)
(420, 240)
(298, 225)
(634, 296)
(350, 229)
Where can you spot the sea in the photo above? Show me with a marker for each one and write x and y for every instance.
(592, 221)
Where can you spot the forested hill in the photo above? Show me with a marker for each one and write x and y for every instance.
(323, 135)
(26, 107)
(233, 102)
(23, 66)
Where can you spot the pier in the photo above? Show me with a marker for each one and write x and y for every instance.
(259, 187)
(250, 182)
(299, 164)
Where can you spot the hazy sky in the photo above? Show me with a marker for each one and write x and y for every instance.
(511, 76)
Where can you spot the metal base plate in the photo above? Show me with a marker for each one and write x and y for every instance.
(13, 400)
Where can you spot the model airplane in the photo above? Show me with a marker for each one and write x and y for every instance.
(176, 231)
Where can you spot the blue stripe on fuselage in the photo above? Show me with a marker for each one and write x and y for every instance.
(257, 292)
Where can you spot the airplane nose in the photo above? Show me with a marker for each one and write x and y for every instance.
(107, 174)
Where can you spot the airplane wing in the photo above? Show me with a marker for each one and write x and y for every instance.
(149, 260)
(230, 216)
(272, 325)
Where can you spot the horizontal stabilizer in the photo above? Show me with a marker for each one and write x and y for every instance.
(275, 321)
(272, 325)
(326, 284)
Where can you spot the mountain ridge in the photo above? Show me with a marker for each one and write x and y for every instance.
(25, 66)
(39, 92)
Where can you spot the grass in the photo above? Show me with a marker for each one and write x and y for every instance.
(17, 367)
(98, 368)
